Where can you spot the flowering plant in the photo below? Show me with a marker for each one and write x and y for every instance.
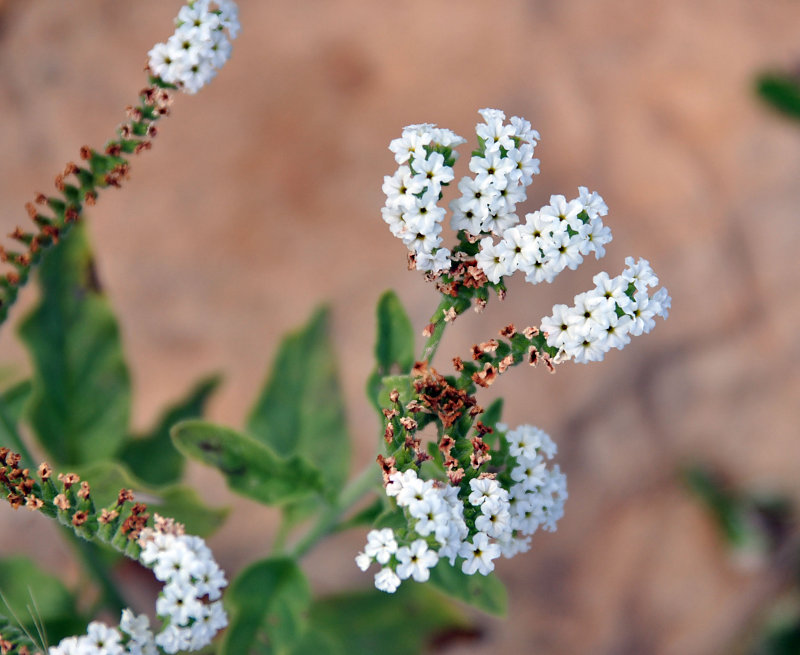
(449, 506)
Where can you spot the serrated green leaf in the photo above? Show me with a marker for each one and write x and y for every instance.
(80, 402)
(369, 622)
(177, 501)
(266, 603)
(485, 592)
(30, 595)
(250, 467)
(138, 452)
(300, 410)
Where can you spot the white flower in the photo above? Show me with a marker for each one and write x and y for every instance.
(415, 561)
(493, 260)
(381, 545)
(486, 490)
(363, 561)
(478, 555)
(387, 580)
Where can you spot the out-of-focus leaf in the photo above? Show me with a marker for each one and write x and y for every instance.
(14, 399)
(782, 91)
(369, 622)
(485, 592)
(250, 467)
(30, 595)
(154, 457)
(300, 410)
(12, 403)
(178, 501)
(80, 402)
(366, 516)
(394, 343)
(266, 603)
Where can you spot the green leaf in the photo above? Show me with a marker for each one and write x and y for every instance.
(300, 410)
(366, 516)
(14, 399)
(266, 603)
(30, 595)
(178, 501)
(491, 416)
(485, 592)
(80, 403)
(250, 468)
(394, 343)
(782, 91)
(137, 453)
(369, 622)
(12, 403)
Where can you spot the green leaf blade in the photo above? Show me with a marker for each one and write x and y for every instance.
(137, 452)
(485, 592)
(80, 403)
(300, 410)
(250, 468)
(266, 603)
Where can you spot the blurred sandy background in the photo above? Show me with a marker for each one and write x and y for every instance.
(261, 199)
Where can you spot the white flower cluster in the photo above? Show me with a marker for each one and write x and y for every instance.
(132, 637)
(199, 46)
(425, 155)
(503, 166)
(556, 237)
(607, 316)
(476, 522)
(186, 566)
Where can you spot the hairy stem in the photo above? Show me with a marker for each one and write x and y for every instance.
(365, 482)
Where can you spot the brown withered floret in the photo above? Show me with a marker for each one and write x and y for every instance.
(106, 516)
(486, 377)
(31, 209)
(458, 364)
(428, 331)
(482, 429)
(480, 305)
(456, 476)
(13, 459)
(508, 331)
(530, 332)
(414, 407)
(439, 397)
(480, 452)
(388, 433)
(450, 315)
(86, 153)
(505, 363)
(79, 518)
(394, 395)
(389, 414)
(62, 502)
(408, 423)
(387, 465)
(45, 471)
(33, 503)
(68, 479)
(123, 496)
(15, 500)
(84, 491)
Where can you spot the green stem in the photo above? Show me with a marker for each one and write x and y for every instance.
(330, 515)
(94, 563)
(439, 324)
(279, 545)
